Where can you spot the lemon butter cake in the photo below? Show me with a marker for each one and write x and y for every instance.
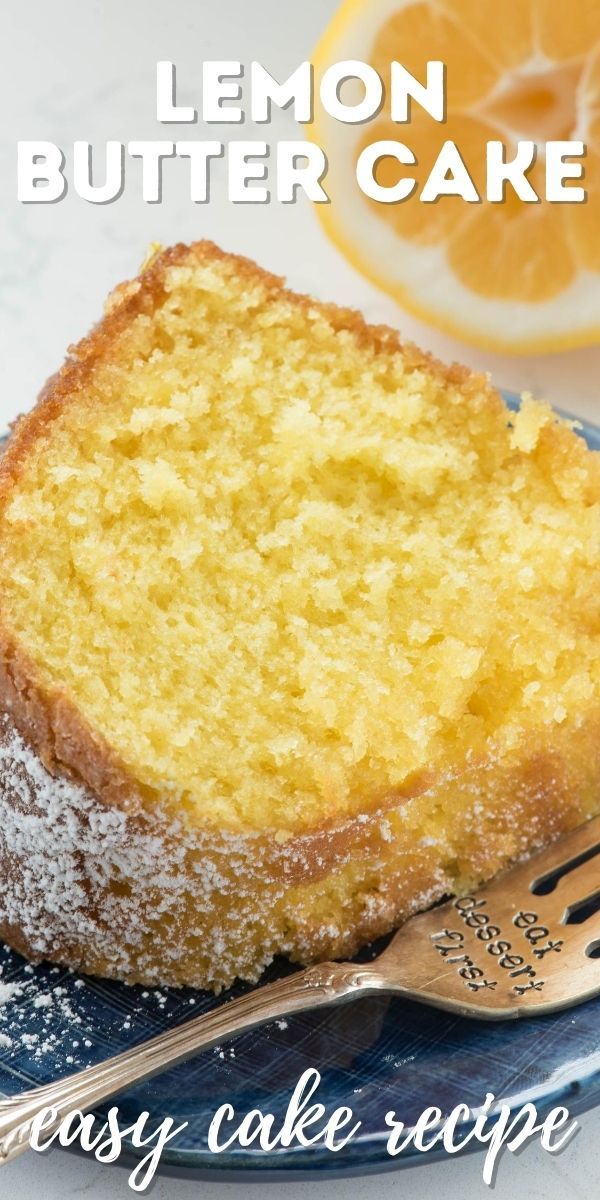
(299, 632)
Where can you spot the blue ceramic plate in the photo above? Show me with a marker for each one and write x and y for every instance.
(374, 1055)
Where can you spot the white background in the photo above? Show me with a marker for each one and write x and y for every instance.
(85, 69)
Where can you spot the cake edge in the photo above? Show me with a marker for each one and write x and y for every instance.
(139, 896)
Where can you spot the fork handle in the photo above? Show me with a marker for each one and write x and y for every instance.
(314, 987)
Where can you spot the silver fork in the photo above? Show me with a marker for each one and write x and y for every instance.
(516, 947)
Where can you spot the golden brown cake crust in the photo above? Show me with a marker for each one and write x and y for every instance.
(139, 896)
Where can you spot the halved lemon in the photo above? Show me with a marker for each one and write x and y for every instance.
(513, 277)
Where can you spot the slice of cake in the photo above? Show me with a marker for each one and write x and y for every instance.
(299, 631)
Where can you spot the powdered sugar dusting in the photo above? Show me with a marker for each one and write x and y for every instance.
(8, 991)
(80, 875)
(140, 895)
(58, 1024)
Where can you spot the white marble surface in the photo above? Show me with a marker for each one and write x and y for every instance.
(84, 69)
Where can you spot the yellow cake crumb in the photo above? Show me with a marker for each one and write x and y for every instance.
(288, 556)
